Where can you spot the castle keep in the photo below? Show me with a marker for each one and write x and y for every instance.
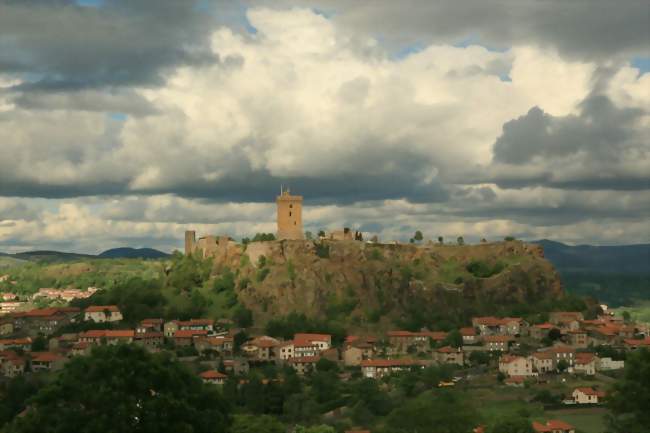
(289, 217)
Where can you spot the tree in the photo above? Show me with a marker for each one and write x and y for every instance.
(418, 236)
(629, 398)
(478, 357)
(453, 339)
(441, 240)
(444, 410)
(321, 233)
(39, 344)
(513, 424)
(242, 316)
(509, 238)
(256, 424)
(627, 317)
(309, 235)
(460, 240)
(562, 365)
(125, 388)
(315, 429)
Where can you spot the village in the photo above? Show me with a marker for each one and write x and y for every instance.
(509, 350)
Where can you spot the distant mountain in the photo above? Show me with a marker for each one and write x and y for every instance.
(133, 253)
(58, 256)
(616, 275)
(623, 259)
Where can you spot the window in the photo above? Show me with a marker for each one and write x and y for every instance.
(290, 206)
(289, 213)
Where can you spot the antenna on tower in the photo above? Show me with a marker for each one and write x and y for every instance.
(281, 189)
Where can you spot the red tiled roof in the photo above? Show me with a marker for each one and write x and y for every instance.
(507, 359)
(304, 359)
(150, 335)
(644, 342)
(544, 326)
(551, 425)
(46, 356)
(93, 333)
(467, 332)
(152, 321)
(102, 308)
(213, 374)
(388, 362)
(119, 333)
(301, 338)
(543, 355)
(196, 322)
(584, 358)
(590, 391)
(47, 312)
(447, 349)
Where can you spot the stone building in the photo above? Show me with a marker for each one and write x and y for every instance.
(289, 219)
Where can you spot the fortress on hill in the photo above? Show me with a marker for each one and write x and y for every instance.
(289, 227)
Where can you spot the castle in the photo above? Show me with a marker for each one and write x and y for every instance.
(289, 226)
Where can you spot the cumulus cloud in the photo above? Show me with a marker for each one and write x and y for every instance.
(462, 140)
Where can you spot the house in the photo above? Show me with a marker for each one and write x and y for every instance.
(368, 345)
(553, 426)
(44, 320)
(566, 319)
(186, 337)
(81, 349)
(311, 344)
(260, 348)
(93, 336)
(578, 338)
(635, 344)
(6, 328)
(540, 331)
(585, 363)
(170, 328)
(449, 355)
(16, 343)
(587, 395)
(469, 335)
(516, 365)
(197, 325)
(148, 325)
(236, 366)
(517, 381)
(102, 313)
(48, 361)
(304, 364)
(543, 362)
(499, 326)
(563, 353)
(609, 364)
(497, 343)
(151, 340)
(284, 351)
(214, 377)
(378, 368)
(223, 345)
(405, 341)
(13, 366)
(119, 336)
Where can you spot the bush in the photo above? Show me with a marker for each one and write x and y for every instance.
(322, 251)
(261, 274)
(482, 269)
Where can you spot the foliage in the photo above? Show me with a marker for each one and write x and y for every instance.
(513, 424)
(315, 429)
(14, 395)
(225, 282)
(188, 271)
(124, 388)
(263, 237)
(262, 274)
(479, 357)
(285, 327)
(481, 269)
(256, 424)
(445, 410)
(418, 236)
(243, 317)
(629, 399)
(453, 339)
(322, 250)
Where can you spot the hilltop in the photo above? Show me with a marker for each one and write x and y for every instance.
(375, 285)
(47, 256)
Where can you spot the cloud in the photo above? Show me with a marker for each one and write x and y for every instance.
(597, 29)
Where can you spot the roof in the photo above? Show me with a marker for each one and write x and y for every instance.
(93, 333)
(46, 357)
(189, 333)
(304, 359)
(644, 342)
(448, 349)
(152, 321)
(561, 349)
(551, 425)
(388, 362)
(16, 341)
(435, 335)
(102, 308)
(150, 335)
(196, 322)
(119, 333)
(300, 338)
(544, 326)
(507, 359)
(47, 312)
(584, 358)
(543, 355)
(467, 332)
(213, 374)
(590, 391)
(515, 379)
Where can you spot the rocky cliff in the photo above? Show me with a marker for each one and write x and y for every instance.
(377, 285)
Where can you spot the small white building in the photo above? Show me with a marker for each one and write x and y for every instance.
(516, 365)
(103, 313)
(587, 395)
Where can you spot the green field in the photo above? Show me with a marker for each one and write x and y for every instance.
(640, 311)
(588, 420)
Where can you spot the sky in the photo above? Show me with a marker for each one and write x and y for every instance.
(127, 122)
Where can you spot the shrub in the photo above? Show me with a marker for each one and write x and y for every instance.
(261, 274)
(322, 251)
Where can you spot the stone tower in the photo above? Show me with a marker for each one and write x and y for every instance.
(190, 242)
(289, 216)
